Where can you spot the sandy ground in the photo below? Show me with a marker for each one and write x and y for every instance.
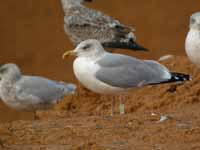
(32, 36)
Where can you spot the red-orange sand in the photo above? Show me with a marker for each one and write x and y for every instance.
(32, 36)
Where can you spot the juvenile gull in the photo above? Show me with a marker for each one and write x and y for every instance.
(82, 23)
(192, 43)
(30, 93)
(106, 73)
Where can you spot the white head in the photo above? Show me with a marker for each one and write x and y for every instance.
(195, 21)
(9, 72)
(89, 48)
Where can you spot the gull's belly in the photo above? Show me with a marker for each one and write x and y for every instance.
(192, 46)
(7, 93)
(85, 72)
(20, 101)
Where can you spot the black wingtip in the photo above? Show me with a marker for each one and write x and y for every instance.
(175, 77)
(88, 0)
(137, 47)
(179, 77)
(125, 45)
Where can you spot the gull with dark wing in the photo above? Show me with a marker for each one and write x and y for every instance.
(106, 73)
(82, 23)
(30, 93)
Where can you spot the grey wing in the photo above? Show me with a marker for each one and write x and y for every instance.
(84, 23)
(39, 89)
(156, 67)
(128, 72)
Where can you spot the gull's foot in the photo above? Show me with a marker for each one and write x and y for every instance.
(121, 109)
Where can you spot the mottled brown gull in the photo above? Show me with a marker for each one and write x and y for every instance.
(82, 23)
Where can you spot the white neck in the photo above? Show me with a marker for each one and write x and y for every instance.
(192, 39)
(192, 46)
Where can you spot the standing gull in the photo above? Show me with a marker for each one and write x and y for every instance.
(192, 43)
(30, 93)
(82, 23)
(106, 73)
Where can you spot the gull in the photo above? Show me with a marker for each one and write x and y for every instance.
(81, 23)
(30, 93)
(192, 43)
(106, 73)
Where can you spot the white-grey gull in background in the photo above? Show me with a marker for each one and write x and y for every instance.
(82, 23)
(30, 93)
(106, 73)
(192, 43)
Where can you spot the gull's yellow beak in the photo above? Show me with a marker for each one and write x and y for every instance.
(68, 53)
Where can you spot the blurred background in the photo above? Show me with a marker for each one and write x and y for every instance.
(32, 35)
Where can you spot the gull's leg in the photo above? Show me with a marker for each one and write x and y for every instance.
(35, 115)
(121, 105)
(112, 106)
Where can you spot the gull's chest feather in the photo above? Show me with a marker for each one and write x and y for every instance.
(192, 46)
(85, 71)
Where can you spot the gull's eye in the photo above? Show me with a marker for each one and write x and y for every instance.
(192, 21)
(85, 47)
(3, 70)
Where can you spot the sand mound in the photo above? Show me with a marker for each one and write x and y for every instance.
(82, 121)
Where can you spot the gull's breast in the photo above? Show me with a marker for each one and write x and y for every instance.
(85, 71)
(192, 46)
